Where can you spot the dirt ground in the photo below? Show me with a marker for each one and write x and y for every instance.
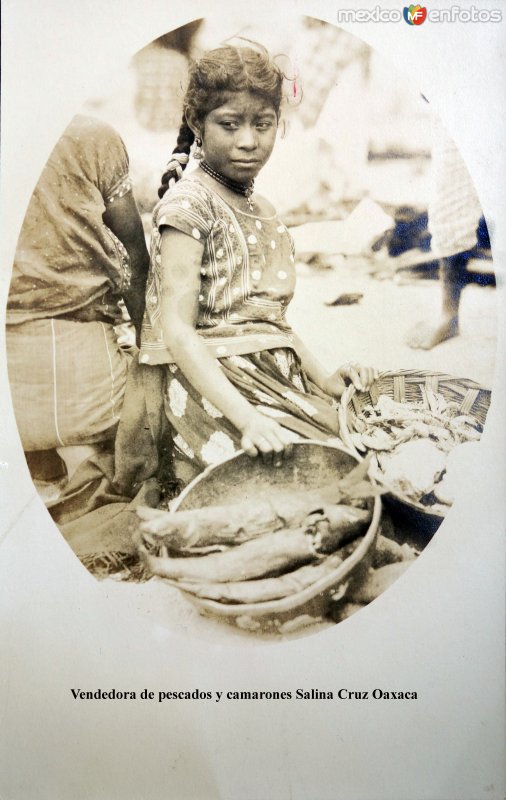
(372, 331)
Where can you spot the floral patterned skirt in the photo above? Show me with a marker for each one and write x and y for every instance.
(271, 380)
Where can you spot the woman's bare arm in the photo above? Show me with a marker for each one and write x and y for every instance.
(310, 364)
(335, 383)
(123, 218)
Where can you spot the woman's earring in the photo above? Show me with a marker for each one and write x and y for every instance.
(197, 150)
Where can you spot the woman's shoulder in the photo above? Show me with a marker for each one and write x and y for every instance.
(264, 206)
(188, 192)
(188, 206)
(188, 195)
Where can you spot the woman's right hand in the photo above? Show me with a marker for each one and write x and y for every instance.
(264, 436)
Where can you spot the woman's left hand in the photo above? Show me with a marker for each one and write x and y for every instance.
(360, 377)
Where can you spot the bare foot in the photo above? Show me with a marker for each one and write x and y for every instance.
(425, 337)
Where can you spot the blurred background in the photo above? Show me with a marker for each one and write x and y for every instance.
(350, 174)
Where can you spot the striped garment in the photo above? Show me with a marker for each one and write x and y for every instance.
(67, 381)
(247, 275)
(454, 208)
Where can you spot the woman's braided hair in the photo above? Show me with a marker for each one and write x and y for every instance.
(211, 78)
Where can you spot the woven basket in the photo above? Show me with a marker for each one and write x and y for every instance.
(314, 465)
(407, 386)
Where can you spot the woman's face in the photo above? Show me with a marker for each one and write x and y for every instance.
(238, 136)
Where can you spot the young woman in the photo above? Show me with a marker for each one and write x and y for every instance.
(221, 278)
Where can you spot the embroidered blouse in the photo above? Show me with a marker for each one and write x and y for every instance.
(68, 262)
(247, 275)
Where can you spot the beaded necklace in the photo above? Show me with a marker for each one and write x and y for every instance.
(238, 188)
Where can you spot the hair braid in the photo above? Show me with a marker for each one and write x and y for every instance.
(175, 167)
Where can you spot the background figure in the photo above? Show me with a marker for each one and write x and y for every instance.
(329, 69)
(80, 252)
(454, 223)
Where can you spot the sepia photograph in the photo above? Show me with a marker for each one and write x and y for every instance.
(239, 364)
(253, 344)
